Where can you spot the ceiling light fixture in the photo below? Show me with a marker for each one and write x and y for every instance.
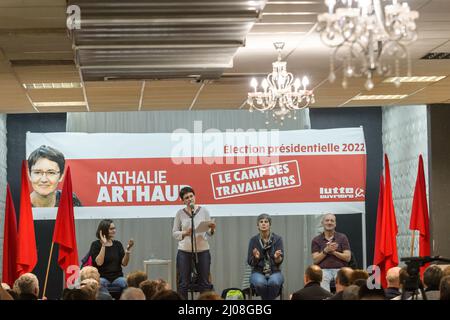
(60, 104)
(380, 97)
(414, 79)
(53, 85)
(281, 93)
(368, 37)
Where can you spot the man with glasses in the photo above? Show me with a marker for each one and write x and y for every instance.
(46, 171)
(193, 257)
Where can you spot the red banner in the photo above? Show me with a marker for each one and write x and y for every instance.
(325, 172)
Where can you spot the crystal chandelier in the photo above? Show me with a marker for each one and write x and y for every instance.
(280, 92)
(368, 38)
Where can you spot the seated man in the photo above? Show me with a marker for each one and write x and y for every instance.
(90, 272)
(393, 283)
(27, 287)
(330, 250)
(343, 279)
(312, 289)
(265, 255)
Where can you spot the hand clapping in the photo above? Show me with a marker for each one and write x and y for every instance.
(277, 254)
(256, 253)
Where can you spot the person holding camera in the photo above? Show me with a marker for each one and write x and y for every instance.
(265, 256)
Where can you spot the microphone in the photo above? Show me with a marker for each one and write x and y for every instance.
(192, 206)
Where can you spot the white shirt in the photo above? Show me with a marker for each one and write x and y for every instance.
(183, 222)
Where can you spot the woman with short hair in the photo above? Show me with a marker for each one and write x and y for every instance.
(182, 231)
(265, 256)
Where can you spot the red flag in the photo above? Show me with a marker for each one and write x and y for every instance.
(64, 232)
(9, 274)
(26, 247)
(419, 213)
(385, 256)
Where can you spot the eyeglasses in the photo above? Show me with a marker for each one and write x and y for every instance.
(50, 174)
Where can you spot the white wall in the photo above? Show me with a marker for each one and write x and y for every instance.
(2, 182)
(404, 138)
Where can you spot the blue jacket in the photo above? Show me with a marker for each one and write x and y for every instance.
(258, 264)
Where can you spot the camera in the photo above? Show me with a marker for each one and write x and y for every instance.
(413, 283)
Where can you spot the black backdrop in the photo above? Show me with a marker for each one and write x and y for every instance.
(17, 126)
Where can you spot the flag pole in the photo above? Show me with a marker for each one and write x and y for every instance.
(48, 269)
(412, 243)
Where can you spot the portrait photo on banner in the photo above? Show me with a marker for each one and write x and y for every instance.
(46, 170)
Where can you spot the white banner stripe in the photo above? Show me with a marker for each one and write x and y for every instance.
(230, 210)
(185, 144)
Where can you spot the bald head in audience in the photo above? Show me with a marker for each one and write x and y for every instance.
(393, 277)
(313, 274)
(132, 294)
(343, 278)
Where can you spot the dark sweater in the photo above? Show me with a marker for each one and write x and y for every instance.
(311, 291)
(111, 268)
(258, 264)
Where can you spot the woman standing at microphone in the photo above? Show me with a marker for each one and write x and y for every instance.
(196, 250)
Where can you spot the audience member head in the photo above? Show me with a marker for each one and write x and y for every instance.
(343, 278)
(359, 277)
(135, 278)
(90, 285)
(351, 293)
(209, 295)
(313, 274)
(365, 293)
(444, 288)
(446, 271)
(90, 272)
(393, 277)
(27, 284)
(403, 276)
(432, 277)
(167, 295)
(77, 294)
(132, 294)
(151, 287)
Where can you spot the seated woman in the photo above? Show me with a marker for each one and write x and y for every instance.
(46, 170)
(265, 255)
(108, 256)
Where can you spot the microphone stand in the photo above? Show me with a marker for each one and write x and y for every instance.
(194, 256)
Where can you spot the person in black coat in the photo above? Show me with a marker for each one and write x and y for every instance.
(312, 289)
